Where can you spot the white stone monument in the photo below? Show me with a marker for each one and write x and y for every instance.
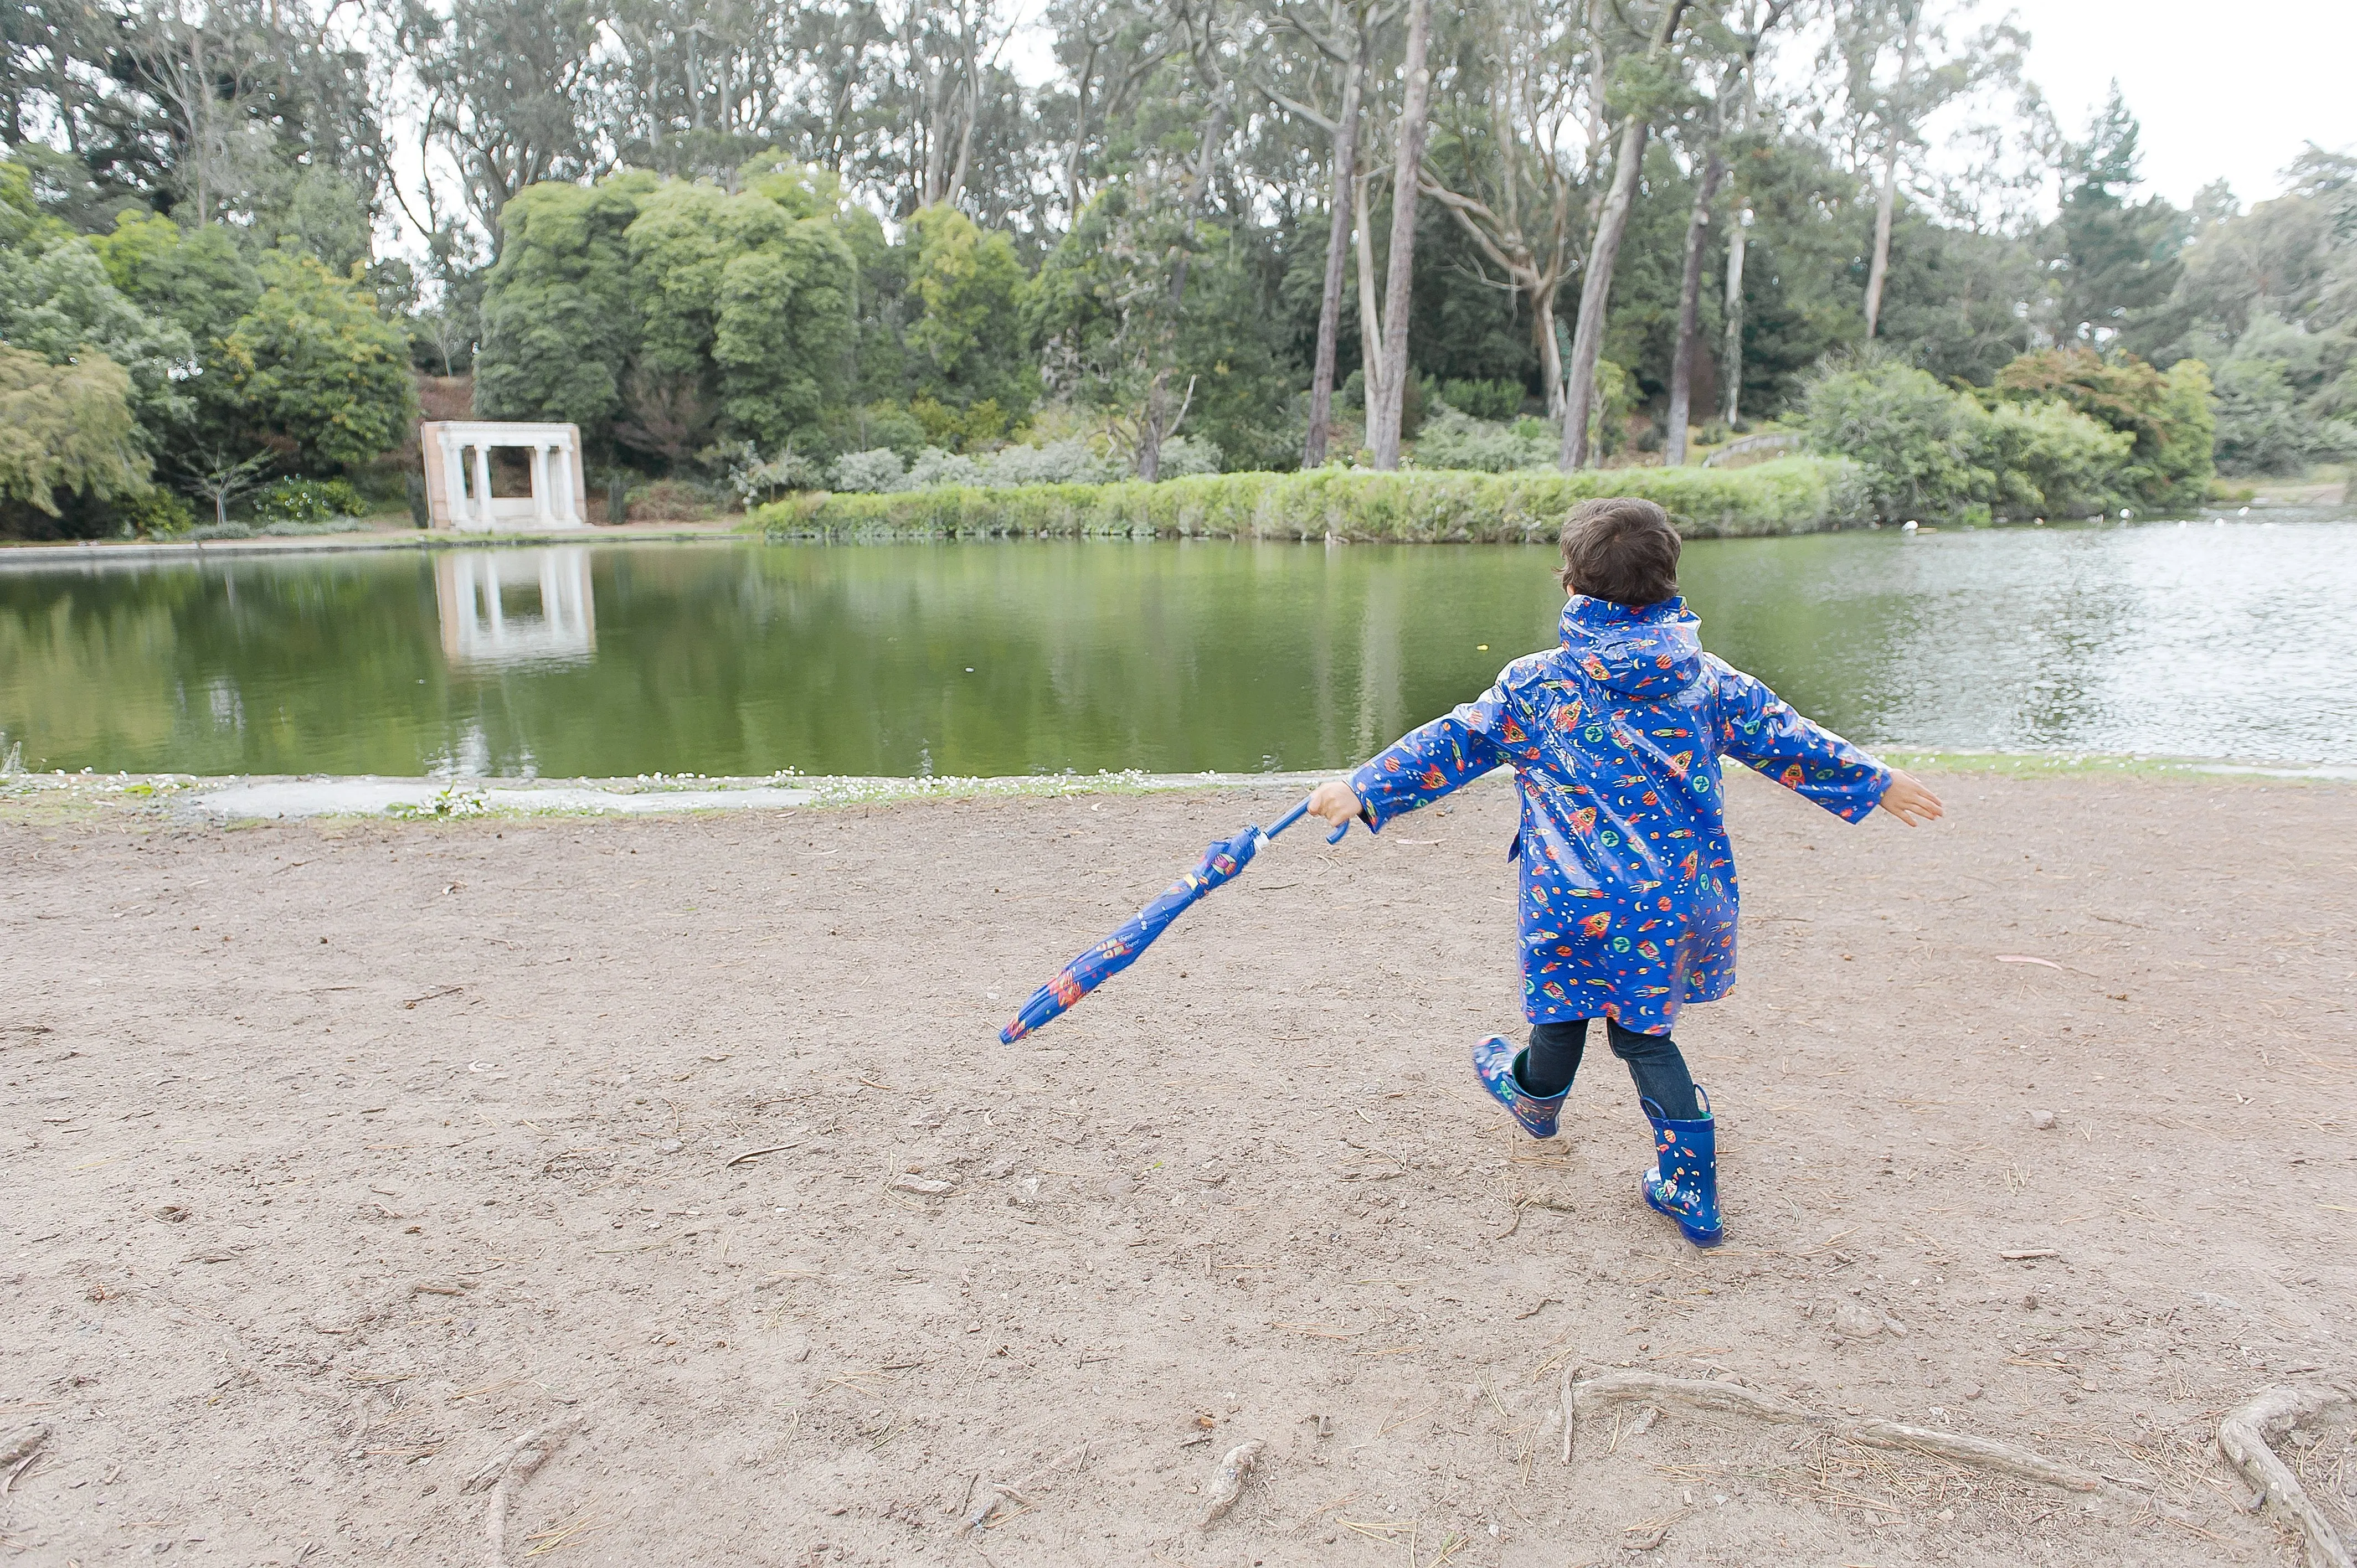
(458, 476)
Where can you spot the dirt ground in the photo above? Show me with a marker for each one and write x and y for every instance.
(339, 1156)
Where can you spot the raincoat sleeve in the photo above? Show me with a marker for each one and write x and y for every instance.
(1761, 730)
(1426, 764)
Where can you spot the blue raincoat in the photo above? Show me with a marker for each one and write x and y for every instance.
(1628, 897)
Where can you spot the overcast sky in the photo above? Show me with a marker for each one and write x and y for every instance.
(2229, 90)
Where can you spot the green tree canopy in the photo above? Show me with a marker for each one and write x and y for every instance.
(560, 326)
(198, 279)
(2110, 257)
(744, 301)
(1139, 308)
(967, 342)
(314, 366)
(66, 429)
(660, 314)
(58, 303)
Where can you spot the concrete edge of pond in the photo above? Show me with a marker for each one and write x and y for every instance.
(134, 553)
(278, 799)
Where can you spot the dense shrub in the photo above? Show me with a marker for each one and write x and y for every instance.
(2049, 458)
(2167, 413)
(2265, 429)
(669, 500)
(1931, 451)
(307, 500)
(1454, 439)
(153, 513)
(1070, 461)
(1494, 401)
(1790, 494)
(868, 472)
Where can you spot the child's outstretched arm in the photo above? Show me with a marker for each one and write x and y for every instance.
(1762, 731)
(1420, 766)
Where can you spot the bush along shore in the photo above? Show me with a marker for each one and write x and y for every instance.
(1789, 495)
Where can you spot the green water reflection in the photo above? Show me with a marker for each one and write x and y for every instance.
(1040, 656)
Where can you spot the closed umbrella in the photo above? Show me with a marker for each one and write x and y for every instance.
(1219, 863)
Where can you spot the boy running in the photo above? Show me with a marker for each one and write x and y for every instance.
(1628, 882)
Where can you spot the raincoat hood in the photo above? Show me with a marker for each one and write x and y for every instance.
(1650, 652)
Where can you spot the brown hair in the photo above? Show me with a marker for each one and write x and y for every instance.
(1620, 548)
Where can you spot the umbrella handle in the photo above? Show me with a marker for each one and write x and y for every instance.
(1298, 812)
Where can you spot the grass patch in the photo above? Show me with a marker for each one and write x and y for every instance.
(1789, 495)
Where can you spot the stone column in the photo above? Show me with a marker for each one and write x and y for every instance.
(568, 507)
(483, 483)
(454, 481)
(540, 510)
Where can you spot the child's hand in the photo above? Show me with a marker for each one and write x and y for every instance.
(1334, 801)
(1905, 798)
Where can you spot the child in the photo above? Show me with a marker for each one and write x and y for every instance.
(1628, 883)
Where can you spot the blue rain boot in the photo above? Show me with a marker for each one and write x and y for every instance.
(1500, 1070)
(1684, 1184)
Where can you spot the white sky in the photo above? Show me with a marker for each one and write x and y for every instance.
(2222, 89)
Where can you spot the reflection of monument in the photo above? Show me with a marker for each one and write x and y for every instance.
(512, 606)
(458, 475)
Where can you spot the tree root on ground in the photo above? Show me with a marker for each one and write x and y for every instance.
(1582, 1394)
(2244, 1435)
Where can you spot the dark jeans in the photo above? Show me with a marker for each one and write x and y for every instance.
(1653, 1061)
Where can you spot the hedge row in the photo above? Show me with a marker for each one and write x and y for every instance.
(1788, 494)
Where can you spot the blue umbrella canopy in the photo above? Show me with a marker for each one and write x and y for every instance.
(1220, 865)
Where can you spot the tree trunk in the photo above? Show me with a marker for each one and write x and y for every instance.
(1384, 417)
(1884, 201)
(1674, 444)
(1738, 235)
(1079, 135)
(971, 91)
(1149, 434)
(1550, 352)
(1214, 130)
(1338, 246)
(1370, 317)
(1596, 285)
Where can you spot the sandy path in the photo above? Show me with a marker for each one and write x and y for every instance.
(340, 1155)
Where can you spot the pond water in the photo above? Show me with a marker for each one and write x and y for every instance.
(2225, 638)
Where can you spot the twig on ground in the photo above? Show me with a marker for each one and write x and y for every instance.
(2243, 1436)
(1227, 1483)
(757, 1154)
(1735, 1398)
(19, 1452)
(23, 1442)
(508, 1468)
(1018, 1490)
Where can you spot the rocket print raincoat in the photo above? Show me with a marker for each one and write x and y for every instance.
(1628, 882)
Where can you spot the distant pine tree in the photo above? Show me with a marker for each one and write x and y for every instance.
(2108, 257)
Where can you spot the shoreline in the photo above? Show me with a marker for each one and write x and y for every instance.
(92, 551)
(764, 527)
(228, 798)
